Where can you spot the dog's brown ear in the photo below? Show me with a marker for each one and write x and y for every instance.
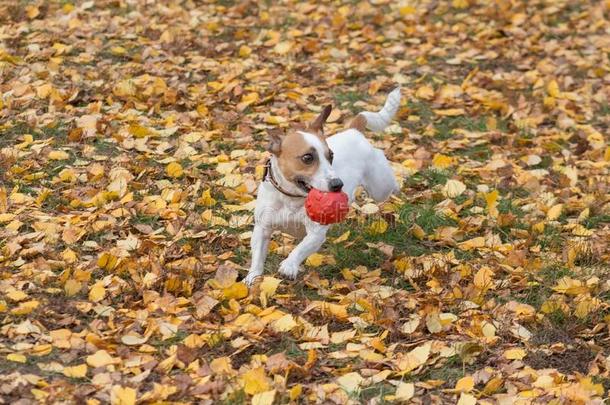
(275, 142)
(317, 125)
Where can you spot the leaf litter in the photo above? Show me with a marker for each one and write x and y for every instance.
(131, 144)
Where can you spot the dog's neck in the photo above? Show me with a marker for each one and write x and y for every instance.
(284, 186)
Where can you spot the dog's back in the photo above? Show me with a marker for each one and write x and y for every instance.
(357, 162)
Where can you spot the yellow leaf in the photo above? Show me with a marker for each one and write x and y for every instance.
(442, 161)
(25, 307)
(433, 323)
(295, 392)
(16, 295)
(514, 354)
(107, 261)
(315, 260)
(72, 287)
(483, 280)
(418, 232)
(202, 110)
(67, 176)
(586, 306)
(206, 199)
(411, 325)
(342, 238)
(235, 291)
(247, 100)
(405, 391)
(69, 255)
(407, 10)
(79, 371)
(174, 169)
(264, 398)
(473, 243)
(122, 396)
(425, 92)
(32, 11)
(282, 48)
(16, 357)
(138, 131)
(453, 188)
(255, 381)
(414, 358)
(244, 51)
(569, 286)
(97, 292)
(269, 285)
(492, 202)
(350, 382)
(133, 340)
(461, 4)
(100, 358)
(466, 399)
(58, 155)
(275, 120)
(378, 227)
(552, 89)
(554, 212)
(450, 112)
(465, 384)
(488, 329)
(284, 324)
(492, 386)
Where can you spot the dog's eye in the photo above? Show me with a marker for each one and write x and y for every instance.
(307, 158)
(331, 155)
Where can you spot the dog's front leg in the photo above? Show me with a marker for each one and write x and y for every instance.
(259, 244)
(311, 243)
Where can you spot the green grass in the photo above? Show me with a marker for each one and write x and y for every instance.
(237, 397)
(551, 238)
(450, 372)
(424, 215)
(541, 289)
(375, 392)
(428, 178)
(349, 98)
(177, 338)
(596, 220)
(446, 126)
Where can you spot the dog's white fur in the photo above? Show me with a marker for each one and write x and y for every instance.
(356, 162)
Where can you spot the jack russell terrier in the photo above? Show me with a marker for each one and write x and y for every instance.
(306, 159)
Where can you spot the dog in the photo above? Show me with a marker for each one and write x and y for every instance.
(301, 160)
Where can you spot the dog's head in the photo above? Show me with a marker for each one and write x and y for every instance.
(305, 158)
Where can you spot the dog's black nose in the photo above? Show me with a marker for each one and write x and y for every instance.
(335, 185)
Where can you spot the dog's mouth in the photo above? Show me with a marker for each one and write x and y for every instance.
(302, 184)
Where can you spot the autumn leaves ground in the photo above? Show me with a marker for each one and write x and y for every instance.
(132, 140)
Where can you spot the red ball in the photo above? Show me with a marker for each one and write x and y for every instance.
(326, 207)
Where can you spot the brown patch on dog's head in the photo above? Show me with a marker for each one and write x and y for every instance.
(300, 153)
(298, 159)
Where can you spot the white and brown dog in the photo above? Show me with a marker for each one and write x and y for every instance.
(305, 159)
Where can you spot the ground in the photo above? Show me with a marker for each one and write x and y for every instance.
(132, 141)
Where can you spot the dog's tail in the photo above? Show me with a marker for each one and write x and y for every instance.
(378, 121)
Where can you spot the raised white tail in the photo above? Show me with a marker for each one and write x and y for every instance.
(378, 121)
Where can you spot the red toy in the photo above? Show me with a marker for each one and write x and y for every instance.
(326, 207)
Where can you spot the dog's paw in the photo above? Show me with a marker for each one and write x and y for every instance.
(289, 269)
(251, 278)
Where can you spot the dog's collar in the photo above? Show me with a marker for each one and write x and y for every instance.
(268, 175)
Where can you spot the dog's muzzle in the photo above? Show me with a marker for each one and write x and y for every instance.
(302, 183)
